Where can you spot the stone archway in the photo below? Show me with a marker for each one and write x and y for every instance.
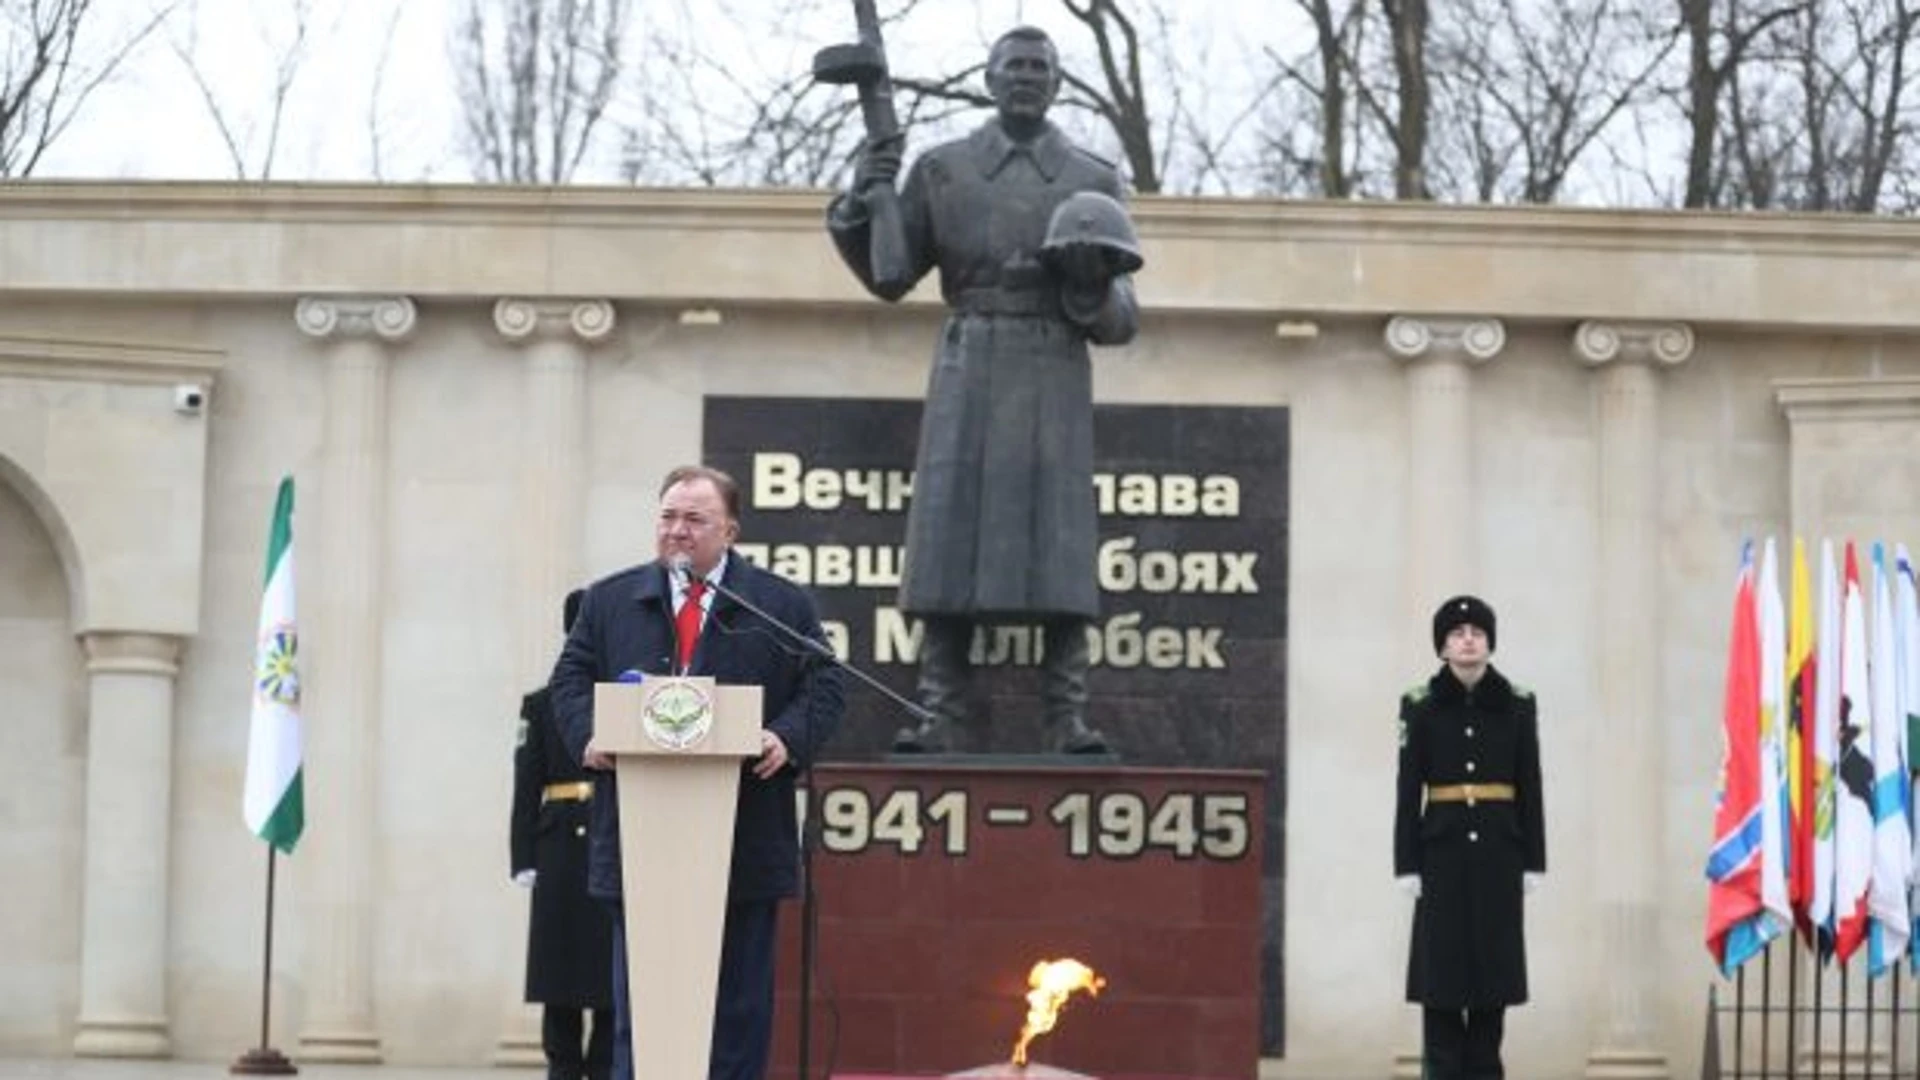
(106, 445)
(42, 776)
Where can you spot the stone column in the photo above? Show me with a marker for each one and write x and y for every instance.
(1440, 355)
(1442, 553)
(554, 336)
(343, 676)
(123, 945)
(1627, 804)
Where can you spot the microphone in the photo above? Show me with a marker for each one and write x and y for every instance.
(682, 563)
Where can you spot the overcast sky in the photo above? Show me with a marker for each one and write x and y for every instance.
(152, 121)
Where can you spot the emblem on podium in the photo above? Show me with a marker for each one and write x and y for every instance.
(677, 715)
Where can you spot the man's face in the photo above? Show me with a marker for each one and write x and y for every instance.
(694, 522)
(1466, 645)
(1023, 76)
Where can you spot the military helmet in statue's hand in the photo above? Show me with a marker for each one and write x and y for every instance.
(1090, 217)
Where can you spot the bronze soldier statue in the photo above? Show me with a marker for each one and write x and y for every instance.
(1035, 253)
(1468, 840)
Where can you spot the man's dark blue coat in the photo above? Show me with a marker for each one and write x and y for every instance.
(626, 622)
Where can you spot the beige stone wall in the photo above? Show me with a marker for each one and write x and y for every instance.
(130, 291)
(42, 773)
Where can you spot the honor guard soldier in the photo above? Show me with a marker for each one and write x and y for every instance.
(1468, 841)
(569, 934)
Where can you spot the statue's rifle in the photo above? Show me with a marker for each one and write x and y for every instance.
(863, 63)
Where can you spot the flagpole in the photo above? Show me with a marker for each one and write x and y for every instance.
(264, 1060)
(266, 966)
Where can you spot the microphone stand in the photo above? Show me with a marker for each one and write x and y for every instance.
(809, 921)
(809, 929)
(820, 649)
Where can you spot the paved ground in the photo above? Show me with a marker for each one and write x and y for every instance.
(11, 1069)
(14, 1069)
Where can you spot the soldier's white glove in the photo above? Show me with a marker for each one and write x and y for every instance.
(524, 878)
(1530, 881)
(1409, 884)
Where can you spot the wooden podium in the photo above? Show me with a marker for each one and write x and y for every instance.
(677, 745)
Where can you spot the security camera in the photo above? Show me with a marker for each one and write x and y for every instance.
(189, 399)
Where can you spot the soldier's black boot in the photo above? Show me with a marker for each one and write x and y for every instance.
(560, 1031)
(600, 1046)
(945, 671)
(1063, 688)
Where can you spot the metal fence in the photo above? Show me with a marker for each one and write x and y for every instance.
(1785, 1015)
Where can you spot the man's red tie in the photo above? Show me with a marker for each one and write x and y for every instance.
(686, 627)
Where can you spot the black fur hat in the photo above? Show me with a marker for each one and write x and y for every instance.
(1467, 610)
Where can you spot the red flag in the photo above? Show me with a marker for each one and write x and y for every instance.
(1733, 864)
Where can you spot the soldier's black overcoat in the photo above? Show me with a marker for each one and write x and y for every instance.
(1469, 943)
(569, 934)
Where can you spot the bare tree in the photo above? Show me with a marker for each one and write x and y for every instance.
(1321, 155)
(1505, 100)
(1120, 96)
(1117, 92)
(1531, 86)
(242, 131)
(376, 97)
(1337, 41)
(702, 112)
(1407, 127)
(1478, 145)
(1763, 130)
(705, 118)
(1880, 101)
(534, 79)
(1719, 34)
(1817, 120)
(794, 131)
(51, 66)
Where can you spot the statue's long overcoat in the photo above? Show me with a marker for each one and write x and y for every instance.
(1002, 524)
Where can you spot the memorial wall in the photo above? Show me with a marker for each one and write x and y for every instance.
(1334, 416)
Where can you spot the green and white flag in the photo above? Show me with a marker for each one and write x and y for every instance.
(273, 801)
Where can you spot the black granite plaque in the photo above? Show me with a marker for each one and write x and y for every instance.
(1191, 666)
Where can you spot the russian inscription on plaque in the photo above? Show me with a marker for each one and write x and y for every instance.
(1189, 649)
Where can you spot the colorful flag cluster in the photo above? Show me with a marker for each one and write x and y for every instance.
(1814, 817)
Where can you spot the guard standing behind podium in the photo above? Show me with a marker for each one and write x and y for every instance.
(1468, 840)
(655, 619)
(569, 934)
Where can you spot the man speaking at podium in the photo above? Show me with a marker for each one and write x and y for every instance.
(663, 617)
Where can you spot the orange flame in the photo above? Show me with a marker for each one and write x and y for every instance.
(1052, 981)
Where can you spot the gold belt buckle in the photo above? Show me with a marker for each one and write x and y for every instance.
(576, 791)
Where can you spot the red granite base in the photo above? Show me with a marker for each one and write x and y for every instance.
(939, 887)
(1015, 1075)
